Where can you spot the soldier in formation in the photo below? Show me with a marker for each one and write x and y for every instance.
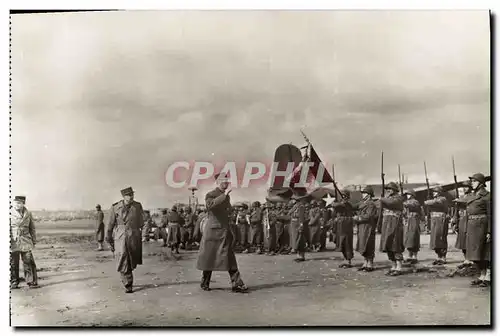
(438, 207)
(459, 222)
(298, 219)
(391, 239)
(413, 215)
(123, 233)
(22, 242)
(256, 227)
(366, 220)
(243, 224)
(99, 234)
(314, 215)
(344, 239)
(271, 220)
(478, 239)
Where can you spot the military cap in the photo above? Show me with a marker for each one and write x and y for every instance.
(478, 177)
(174, 207)
(411, 192)
(368, 190)
(127, 191)
(438, 189)
(163, 211)
(256, 204)
(20, 199)
(392, 186)
(98, 206)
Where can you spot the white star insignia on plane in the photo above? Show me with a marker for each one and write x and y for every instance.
(328, 199)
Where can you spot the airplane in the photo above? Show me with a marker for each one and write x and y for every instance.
(287, 153)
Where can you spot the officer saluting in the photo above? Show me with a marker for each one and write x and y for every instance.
(124, 235)
(216, 247)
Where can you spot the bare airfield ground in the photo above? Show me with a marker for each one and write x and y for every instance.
(80, 287)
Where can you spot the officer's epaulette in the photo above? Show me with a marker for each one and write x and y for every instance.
(116, 203)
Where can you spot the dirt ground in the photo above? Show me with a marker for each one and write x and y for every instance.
(80, 287)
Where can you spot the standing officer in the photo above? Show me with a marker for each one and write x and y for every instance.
(175, 221)
(188, 228)
(216, 248)
(124, 234)
(366, 219)
(272, 215)
(242, 221)
(22, 242)
(438, 207)
(459, 221)
(391, 240)
(163, 227)
(345, 234)
(99, 227)
(414, 215)
(256, 227)
(298, 218)
(315, 227)
(282, 228)
(478, 245)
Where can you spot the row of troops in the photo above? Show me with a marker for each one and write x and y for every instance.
(401, 215)
(175, 227)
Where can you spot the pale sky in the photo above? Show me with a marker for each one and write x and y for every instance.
(101, 101)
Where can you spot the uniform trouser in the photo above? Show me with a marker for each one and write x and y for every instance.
(280, 236)
(244, 232)
(441, 252)
(99, 234)
(187, 235)
(162, 234)
(30, 274)
(395, 256)
(126, 274)
(272, 239)
(257, 234)
(233, 274)
(235, 230)
(322, 237)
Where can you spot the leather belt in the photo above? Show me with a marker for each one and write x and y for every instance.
(438, 214)
(392, 213)
(477, 216)
(412, 214)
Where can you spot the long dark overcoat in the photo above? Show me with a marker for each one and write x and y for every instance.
(124, 230)
(439, 222)
(367, 216)
(478, 225)
(216, 247)
(414, 214)
(391, 238)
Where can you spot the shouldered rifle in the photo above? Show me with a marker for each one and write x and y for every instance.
(454, 176)
(382, 176)
(455, 214)
(427, 182)
(400, 180)
(427, 212)
(337, 191)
